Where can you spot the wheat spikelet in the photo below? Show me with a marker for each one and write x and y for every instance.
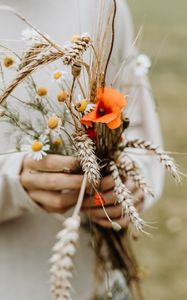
(62, 259)
(69, 56)
(86, 153)
(129, 168)
(165, 159)
(125, 198)
(75, 52)
(31, 53)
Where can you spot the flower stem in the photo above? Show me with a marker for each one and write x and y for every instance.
(81, 197)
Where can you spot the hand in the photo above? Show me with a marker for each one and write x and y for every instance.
(49, 188)
(45, 187)
(113, 209)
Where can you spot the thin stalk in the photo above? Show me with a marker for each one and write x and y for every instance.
(81, 197)
(112, 43)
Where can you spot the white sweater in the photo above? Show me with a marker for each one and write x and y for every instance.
(27, 233)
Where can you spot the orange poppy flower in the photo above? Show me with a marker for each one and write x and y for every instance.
(109, 103)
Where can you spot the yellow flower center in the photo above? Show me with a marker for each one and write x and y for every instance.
(62, 96)
(82, 105)
(8, 61)
(42, 91)
(37, 146)
(57, 75)
(57, 142)
(53, 122)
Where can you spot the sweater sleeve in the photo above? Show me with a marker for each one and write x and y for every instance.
(144, 123)
(14, 201)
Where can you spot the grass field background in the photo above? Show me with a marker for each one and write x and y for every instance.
(163, 258)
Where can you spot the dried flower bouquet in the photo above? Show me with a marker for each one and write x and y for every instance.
(87, 120)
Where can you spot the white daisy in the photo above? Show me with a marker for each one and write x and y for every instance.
(83, 105)
(10, 61)
(37, 148)
(54, 124)
(32, 37)
(59, 75)
(142, 65)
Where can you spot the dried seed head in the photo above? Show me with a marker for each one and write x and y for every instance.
(76, 70)
(62, 96)
(42, 91)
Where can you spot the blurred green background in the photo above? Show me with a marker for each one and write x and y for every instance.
(163, 257)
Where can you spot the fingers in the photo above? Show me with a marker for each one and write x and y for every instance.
(109, 198)
(48, 181)
(115, 212)
(54, 201)
(138, 197)
(106, 184)
(52, 163)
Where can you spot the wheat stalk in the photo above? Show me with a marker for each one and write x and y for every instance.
(165, 159)
(124, 197)
(69, 57)
(129, 168)
(86, 154)
(62, 259)
(64, 252)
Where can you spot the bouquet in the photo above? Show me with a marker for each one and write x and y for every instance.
(88, 120)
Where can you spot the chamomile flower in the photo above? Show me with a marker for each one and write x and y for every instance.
(32, 37)
(54, 124)
(37, 149)
(9, 61)
(62, 96)
(42, 91)
(83, 105)
(142, 65)
(59, 75)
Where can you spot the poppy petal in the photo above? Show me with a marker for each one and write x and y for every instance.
(108, 117)
(111, 97)
(115, 123)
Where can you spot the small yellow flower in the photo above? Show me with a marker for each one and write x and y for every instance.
(57, 142)
(8, 61)
(82, 105)
(57, 75)
(75, 38)
(62, 96)
(53, 122)
(37, 146)
(42, 91)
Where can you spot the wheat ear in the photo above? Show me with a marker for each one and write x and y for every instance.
(166, 160)
(124, 197)
(129, 168)
(64, 252)
(69, 56)
(86, 154)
